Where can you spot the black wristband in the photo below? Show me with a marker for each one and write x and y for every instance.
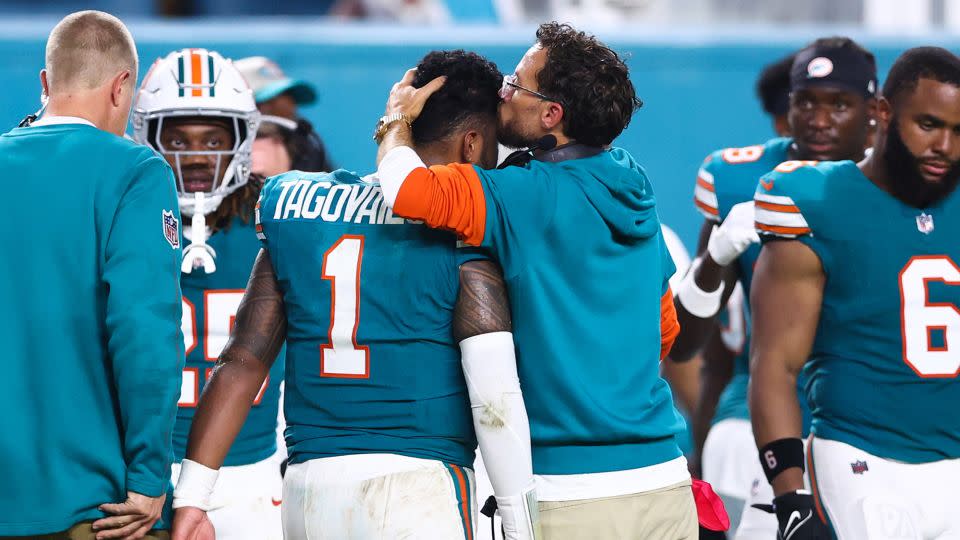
(780, 455)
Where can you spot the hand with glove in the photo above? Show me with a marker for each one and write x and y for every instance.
(797, 517)
(734, 235)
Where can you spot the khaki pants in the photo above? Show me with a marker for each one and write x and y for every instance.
(82, 531)
(663, 514)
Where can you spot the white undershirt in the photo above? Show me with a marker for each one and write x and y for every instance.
(49, 120)
(578, 487)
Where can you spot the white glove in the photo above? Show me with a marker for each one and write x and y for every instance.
(520, 515)
(734, 235)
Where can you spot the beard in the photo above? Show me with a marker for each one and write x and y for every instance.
(511, 135)
(906, 182)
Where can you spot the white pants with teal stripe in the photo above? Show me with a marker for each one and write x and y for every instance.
(863, 496)
(378, 496)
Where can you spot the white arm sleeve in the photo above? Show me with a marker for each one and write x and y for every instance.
(503, 430)
(394, 169)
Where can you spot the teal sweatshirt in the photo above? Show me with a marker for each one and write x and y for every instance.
(89, 322)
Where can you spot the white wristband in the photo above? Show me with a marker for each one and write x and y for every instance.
(695, 300)
(195, 485)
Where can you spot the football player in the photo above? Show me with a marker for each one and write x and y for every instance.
(724, 376)
(577, 232)
(378, 399)
(832, 107)
(858, 284)
(773, 90)
(196, 110)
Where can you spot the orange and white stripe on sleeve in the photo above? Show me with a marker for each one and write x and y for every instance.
(778, 215)
(669, 325)
(444, 197)
(705, 195)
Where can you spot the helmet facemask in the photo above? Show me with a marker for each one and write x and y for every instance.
(231, 167)
(204, 87)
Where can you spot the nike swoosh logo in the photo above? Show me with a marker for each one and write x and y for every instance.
(275, 501)
(792, 527)
(767, 184)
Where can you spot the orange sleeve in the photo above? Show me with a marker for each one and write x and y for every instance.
(445, 197)
(669, 325)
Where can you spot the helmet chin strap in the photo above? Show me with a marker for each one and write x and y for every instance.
(198, 253)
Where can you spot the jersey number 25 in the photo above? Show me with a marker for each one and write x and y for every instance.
(220, 309)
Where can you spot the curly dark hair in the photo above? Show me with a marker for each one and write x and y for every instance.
(591, 82)
(773, 86)
(918, 63)
(471, 92)
(238, 204)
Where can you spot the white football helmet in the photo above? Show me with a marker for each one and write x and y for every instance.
(198, 82)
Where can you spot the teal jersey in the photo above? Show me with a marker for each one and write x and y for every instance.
(210, 303)
(90, 325)
(586, 267)
(734, 327)
(729, 177)
(882, 373)
(372, 366)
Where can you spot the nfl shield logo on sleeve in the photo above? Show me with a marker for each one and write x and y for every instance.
(171, 229)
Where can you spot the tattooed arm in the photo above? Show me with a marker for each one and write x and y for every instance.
(482, 305)
(258, 334)
(482, 326)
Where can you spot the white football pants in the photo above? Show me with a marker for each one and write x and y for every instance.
(378, 496)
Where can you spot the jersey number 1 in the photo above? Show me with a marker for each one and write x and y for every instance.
(343, 357)
(921, 320)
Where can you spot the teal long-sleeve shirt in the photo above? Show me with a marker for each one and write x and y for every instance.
(89, 322)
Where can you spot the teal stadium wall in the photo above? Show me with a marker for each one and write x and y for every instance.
(696, 83)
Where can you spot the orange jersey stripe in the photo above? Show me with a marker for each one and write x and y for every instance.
(813, 482)
(787, 208)
(446, 197)
(669, 325)
(196, 73)
(705, 185)
(782, 230)
(465, 500)
(706, 208)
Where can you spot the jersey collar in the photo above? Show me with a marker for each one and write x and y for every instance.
(48, 120)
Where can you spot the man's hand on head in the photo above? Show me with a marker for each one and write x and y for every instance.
(407, 100)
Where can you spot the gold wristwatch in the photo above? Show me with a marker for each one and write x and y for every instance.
(384, 123)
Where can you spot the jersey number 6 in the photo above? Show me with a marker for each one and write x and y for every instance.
(921, 320)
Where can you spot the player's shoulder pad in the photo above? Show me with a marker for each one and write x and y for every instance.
(729, 175)
(705, 192)
(787, 196)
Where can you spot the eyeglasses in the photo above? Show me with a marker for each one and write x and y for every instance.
(510, 87)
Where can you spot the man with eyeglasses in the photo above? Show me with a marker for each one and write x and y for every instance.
(576, 231)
